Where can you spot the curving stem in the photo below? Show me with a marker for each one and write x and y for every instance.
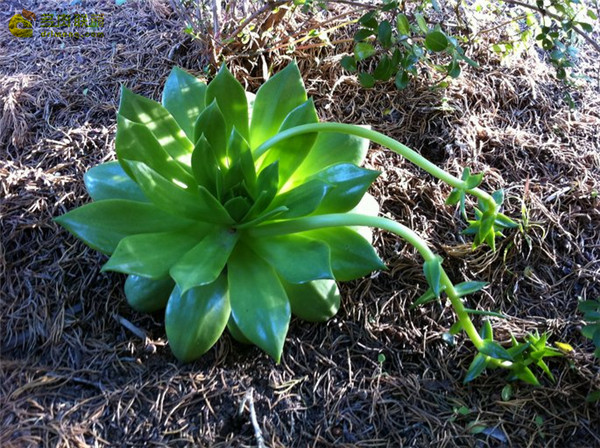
(352, 219)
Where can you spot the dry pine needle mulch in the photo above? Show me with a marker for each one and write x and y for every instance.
(79, 368)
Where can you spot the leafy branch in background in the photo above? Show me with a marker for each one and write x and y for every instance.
(591, 330)
(591, 315)
(399, 41)
(400, 44)
(233, 211)
(557, 26)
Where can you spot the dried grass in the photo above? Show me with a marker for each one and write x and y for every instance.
(73, 373)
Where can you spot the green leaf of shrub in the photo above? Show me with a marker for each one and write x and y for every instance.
(384, 34)
(363, 50)
(362, 34)
(366, 80)
(454, 69)
(402, 79)
(369, 20)
(436, 41)
(402, 24)
(421, 22)
(349, 63)
(384, 68)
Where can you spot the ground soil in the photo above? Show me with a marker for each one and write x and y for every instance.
(76, 371)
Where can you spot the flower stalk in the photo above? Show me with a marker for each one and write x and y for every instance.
(409, 235)
(383, 140)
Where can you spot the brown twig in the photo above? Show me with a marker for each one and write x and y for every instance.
(503, 24)
(273, 4)
(269, 6)
(216, 13)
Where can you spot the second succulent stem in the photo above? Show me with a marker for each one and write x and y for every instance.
(351, 219)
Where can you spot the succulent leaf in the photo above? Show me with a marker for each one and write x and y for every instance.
(147, 295)
(231, 99)
(275, 99)
(259, 304)
(101, 225)
(314, 301)
(352, 256)
(152, 254)
(184, 98)
(195, 320)
(159, 122)
(310, 260)
(109, 181)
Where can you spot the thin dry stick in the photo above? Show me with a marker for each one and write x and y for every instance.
(135, 330)
(260, 441)
(503, 24)
(270, 5)
(216, 12)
